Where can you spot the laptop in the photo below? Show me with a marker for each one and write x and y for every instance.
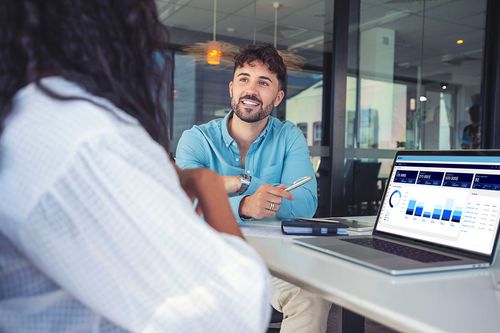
(440, 211)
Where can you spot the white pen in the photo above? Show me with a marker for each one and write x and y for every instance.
(298, 182)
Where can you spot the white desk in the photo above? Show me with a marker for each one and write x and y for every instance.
(466, 301)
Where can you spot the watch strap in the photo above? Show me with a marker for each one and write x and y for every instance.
(245, 183)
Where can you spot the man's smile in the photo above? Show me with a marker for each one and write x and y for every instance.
(250, 101)
(247, 102)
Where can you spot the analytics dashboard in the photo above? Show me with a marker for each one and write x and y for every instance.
(450, 200)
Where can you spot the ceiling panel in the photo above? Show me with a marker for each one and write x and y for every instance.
(265, 10)
(223, 6)
(456, 10)
(243, 26)
(310, 18)
(301, 24)
(190, 18)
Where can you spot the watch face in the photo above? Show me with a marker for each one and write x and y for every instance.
(245, 178)
(245, 182)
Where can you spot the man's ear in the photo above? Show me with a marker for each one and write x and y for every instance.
(231, 89)
(279, 98)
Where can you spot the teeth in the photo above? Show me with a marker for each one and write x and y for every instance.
(249, 103)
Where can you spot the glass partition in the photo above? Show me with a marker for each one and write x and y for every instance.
(414, 83)
(413, 78)
(201, 90)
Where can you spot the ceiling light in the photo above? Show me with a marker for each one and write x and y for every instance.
(444, 86)
(312, 41)
(412, 104)
(213, 52)
(460, 41)
(213, 55)
(423, 99)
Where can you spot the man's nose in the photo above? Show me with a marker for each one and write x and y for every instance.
(251, 88)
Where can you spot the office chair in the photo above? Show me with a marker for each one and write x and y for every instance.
(361, 190)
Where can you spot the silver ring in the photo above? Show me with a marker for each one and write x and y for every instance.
(271, 206)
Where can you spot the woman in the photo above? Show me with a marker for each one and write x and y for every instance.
(96, 232)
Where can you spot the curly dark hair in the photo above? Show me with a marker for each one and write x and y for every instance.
(115, 49)
(265, 53)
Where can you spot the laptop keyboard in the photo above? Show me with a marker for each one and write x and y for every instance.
(400, 250)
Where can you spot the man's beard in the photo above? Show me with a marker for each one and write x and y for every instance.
(247, 117)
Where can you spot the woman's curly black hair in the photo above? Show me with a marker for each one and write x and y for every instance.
(115, 49)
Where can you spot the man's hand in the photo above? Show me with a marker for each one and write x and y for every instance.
(265, 202)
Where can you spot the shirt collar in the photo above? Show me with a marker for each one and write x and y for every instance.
(228, 139)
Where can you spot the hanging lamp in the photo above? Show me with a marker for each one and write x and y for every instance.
(213, 52)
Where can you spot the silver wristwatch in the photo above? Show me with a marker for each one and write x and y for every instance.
(245, 182)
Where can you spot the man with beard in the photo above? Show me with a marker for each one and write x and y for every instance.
(257, 154)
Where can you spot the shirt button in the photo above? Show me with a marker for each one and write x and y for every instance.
(234, 143)
(237, 159)
(227, 144)
(248, 171)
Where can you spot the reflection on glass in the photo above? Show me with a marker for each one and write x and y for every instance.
(410, 84)
(305, 107)
(303, 128)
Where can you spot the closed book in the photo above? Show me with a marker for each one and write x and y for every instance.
(353, 225)
(312, 228)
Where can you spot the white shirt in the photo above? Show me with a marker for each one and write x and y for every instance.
(96, 234)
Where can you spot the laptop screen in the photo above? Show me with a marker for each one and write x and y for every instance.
(447, 200)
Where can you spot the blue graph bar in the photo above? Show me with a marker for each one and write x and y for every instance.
(447, 210)
(419, 209)
(411, 207)
(436, 214)
(427, 214)
(457, 215)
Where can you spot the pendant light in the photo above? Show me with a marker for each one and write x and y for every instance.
(213, 52)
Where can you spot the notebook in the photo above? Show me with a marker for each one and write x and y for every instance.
(440, 211)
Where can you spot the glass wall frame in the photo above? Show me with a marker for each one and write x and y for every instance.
(354, 151)
(334, 134)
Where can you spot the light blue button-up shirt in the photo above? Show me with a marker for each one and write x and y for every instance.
(278, 156)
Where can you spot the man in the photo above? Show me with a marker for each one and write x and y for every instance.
(253, 150)
(97, 232)
(257, 154)
(471, 135)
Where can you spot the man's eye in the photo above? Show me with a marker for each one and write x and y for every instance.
(264, 83)
(244, 79)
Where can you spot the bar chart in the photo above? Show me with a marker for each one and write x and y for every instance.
(450, 212)
(448, 207)
(411, 207)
